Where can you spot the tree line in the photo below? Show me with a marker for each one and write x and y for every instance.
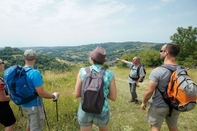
(186, 38)
(14, 56)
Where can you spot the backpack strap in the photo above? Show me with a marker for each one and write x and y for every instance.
(102, 70)
(88, 71)
(167, 102)
(138, 70)
(27, 69)
(170, 68)
(1, 79)
(132, 67)
(24, 71)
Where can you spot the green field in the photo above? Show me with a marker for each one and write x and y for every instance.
(125, 116)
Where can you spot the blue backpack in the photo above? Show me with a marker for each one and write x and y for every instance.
(15, 84)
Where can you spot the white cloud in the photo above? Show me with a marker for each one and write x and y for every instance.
(67, 20)
(44, 22)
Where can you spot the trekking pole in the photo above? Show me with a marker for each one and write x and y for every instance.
(56, 109)
(46, 117)
(21, 111)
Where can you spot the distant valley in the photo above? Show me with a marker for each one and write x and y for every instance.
(80, 53)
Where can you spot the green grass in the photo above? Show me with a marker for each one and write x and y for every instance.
(125, 116)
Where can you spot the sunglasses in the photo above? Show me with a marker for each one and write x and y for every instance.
(2, 63)
(162, 51)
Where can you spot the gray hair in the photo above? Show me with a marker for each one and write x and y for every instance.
(137, 58)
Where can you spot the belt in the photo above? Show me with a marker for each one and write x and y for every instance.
(135, 79)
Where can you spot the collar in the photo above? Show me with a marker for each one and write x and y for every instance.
(96, 67)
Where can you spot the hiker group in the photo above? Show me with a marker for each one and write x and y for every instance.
(95, 85)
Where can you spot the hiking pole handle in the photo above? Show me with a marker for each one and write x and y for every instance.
(55, 96)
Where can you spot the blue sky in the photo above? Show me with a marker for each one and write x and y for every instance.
(25, 23)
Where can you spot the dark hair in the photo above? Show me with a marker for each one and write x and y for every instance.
(96, 62)
(173, 49)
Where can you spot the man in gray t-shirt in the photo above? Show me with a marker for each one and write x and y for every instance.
(133, 76)
(159, 79)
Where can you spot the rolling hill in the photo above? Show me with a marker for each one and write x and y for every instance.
(80, 53)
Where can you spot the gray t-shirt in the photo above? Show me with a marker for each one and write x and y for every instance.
(160, 75)
(133, 72)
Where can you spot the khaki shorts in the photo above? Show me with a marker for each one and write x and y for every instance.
(35, 117)
(156, 116)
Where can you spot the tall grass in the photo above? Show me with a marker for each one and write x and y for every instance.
(125, 116)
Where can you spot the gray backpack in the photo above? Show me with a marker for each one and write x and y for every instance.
(92, 96)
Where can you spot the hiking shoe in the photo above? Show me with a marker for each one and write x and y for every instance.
(136, 102)
(132, 100)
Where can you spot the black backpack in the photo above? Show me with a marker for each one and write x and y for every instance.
(138, 73)
(92, 96)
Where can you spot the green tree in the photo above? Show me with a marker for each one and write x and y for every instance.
(187, 39)
(127, 57)
(14, 56)
(150, 58)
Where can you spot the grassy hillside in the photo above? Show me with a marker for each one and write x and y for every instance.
(125, 116)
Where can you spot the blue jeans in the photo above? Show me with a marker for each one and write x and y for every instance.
(87, 119)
